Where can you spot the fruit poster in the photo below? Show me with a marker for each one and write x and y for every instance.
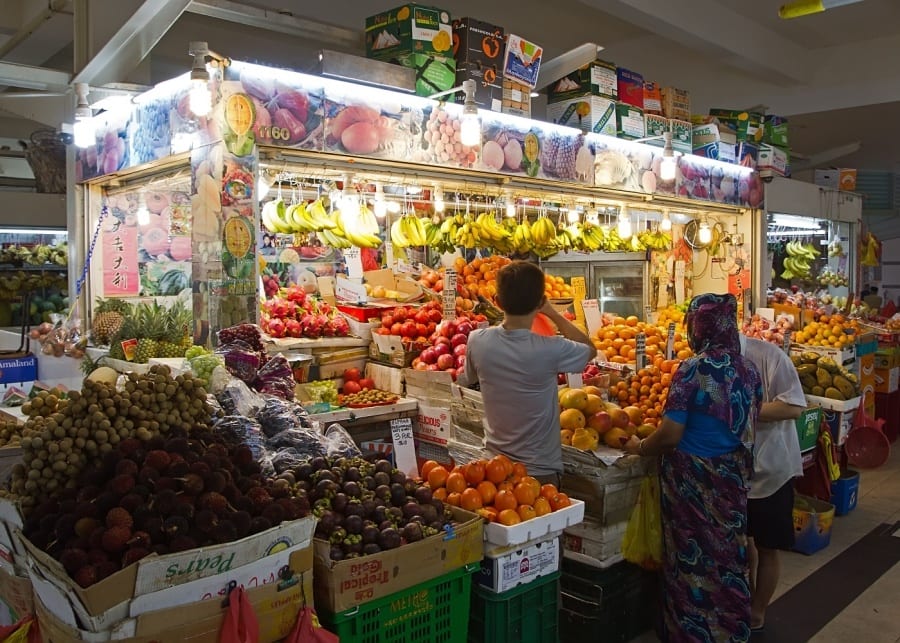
(120, 259)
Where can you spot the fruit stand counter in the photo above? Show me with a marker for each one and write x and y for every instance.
(404, 407)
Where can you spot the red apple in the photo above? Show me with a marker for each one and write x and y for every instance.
(445, 361)
(366, 384)
(460, 350)
(458, 340)
(428, 356)
(396, 328)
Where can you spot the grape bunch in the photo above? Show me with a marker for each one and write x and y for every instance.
(203, 366)
(442, 140)
(195, 351)
(150, 130)
(250, 334)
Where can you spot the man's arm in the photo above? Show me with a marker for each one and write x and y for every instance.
(778, 410)
(566, 328)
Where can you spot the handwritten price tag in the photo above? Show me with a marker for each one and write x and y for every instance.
(404, 447)
(449, 294)
(640, 351)
(670, 341)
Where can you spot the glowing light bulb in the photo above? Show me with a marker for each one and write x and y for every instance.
(83, 132)
(439, 204)
(143, 215)
(704, 235)
(572, 216)
(200, 100)
(510, 207)
(470, 128)
(666, 224)
(380, 207)
(394, 207)
(624, 227)
(668, 168)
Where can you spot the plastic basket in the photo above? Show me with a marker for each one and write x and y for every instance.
(526, 614)
(435, 611)
(46, 155)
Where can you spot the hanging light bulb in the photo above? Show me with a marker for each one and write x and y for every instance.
(380, 205)
(439, 204)
(199, 100)
(470, 124)
(394, 207)
(262, 187)
(704, 234)
(669, 165)
(510, 205)
(572, 215)
(83, 128)
(666, 224)
(143, 215)
(623, 227)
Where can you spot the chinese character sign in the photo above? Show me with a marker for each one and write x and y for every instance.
(120, 259)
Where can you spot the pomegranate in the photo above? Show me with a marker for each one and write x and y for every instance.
(458, 340)
(351, 387)
(429, 356)
(445, 362)
(459, 350)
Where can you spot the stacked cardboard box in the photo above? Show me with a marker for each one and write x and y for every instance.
(478, 48)
(586, 98)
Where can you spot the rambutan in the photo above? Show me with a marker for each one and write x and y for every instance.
(115, 539)
(131, 502)
(177, 445)
(241, 520)
(127, 467)
(119, 517)
(224, 532)
(200, 468)
(290, 508)
(243, 456)
(128, 446)
(133, 555)
(185, 508)
(274, 514)
(97, 556)
(87, 493)
(148, 475)
(206, 520)
(259, 524)
(215, 481)
(215, 502)
(140, 539)
(157, 459)
(192, 484)
(121, 484)
(166, 484)
(259, 497)
(73, 560)
(178, 469)
(64, 527)
(175, 525)
(106, 501)
(106, 569)
(86, 576)
(165, 501)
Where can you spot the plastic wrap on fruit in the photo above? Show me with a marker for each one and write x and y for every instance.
(239, 399)
(241, 360)
(306, 441)
(280, 415)
(238, 429)
(247, 333)
(339, 443)
(276, 378)
(287, 459)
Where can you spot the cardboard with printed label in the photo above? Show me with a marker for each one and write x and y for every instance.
(630, 87)
(342, 585)
(655, 125)
(512, 566)
(409, 28)
(747, 126)
(775, 130)
(433, 425)
(714, 142)
(837, 178)
(523, 60)
(887, 379)
(587, 113)
(773, 161)
(629, 121)
(676, 103)
(682, 135)
(594, 79)
(479, 43)
(516, 98)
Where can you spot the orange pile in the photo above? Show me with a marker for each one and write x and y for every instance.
(835, 331)
(618, 340)
(478, 277)
(497, 489)
(646, 390)
(556, 287)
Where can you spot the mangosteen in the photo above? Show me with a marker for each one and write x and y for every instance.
(410, 486)
(324, 474)
(370, 548)
(339, 502)
(337, 552)
(383, 491)
(370, 534)
(395, 514)
(288, 476)
(448, 513)
(338, 474)
(318, 463)
(352, 489)
(354, 508)
(368, 507)
(411, 509)
(423, 495)
(338, 535)
(353, 547)
(353, 524)
(327, 522)
(385, 524)
(438, 505)
(303, 472)
(326, 489)
(389, 538)
(436, 525)
(398, 477)
(398, 495)
(412, 532)
(383, 466)
(369, 483)
(352, 474)
(379, 514)
(429, 513)
(382, 478)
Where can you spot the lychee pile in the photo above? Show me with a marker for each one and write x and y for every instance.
(62, 435)
(163, 495)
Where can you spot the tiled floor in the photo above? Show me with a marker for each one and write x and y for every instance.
(874, 616)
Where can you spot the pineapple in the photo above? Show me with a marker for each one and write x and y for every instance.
(108, 317)
(152, 321)
(128, 330)
(178, 323)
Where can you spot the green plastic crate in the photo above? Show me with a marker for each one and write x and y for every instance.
(433, 611)
(525, 614)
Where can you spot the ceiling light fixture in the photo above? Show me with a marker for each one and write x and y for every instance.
(704, 234)
(83, 128)
(800, 8)
(380, 207)
(439, 204)
(666, 223)
(200, 98)
(470, 124)
(669, 165)
(623, 227)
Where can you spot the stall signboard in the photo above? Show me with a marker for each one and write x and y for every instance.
(120, 259)
(281, 108)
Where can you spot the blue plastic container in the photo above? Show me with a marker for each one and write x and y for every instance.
(845, 492)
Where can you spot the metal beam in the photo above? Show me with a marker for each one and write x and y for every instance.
(124, 51)
(337, 37)
(709, 27)
(29, 77)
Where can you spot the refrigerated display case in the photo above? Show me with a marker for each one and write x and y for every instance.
(616, 281)
(33, 273)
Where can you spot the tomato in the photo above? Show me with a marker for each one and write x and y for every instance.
(422, 317)
(350, 387)
(351, 375)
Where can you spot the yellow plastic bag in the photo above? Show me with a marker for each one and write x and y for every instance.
(642, 544)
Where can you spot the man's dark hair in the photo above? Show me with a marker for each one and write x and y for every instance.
(873, 290)
(520, 287)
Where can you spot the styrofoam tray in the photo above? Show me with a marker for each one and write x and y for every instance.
(497, 534)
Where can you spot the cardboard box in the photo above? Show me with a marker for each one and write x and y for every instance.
(431, 387)
(652, 99)
(507, 568)
(434, 73)
(516, 98)
(156, 573)
(844, 356)
(838, 415)
(887, 379)
(16, 592)
(342, 585)
(713, 142)
(747, 126)
(813, 520)
(594, 79)
(410, 28)
(747, 154)
(488, 85)
(837, 178)
(386, 378)
(389, 350)
(676, 103)
(597, 542)
(432, 424)
(522, 61)
(630, 86)
(887, 358)
(480, 44)
(406, 288)
(629, 121)
(588, 113)
(773, 161)
(682, 135)
(655, 125)
(775, 130)
(604, 502)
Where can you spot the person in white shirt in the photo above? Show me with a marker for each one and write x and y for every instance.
(776, 462)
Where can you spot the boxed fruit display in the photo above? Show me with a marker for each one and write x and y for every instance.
(655, 125)
(479, 43)
(588, 113)
(594, 543)
(504, 568)
(432, 424)
(773, 161)
(714, 142)
(630, 87)
(837, 178)
(747, 154)
(887, 379)
(523, 60)
(488, 85)
(434, 73)
(629, 121)
(410, 28)
(597, 78)
(652, 99)
(682, 135)
(535, 528)
(516, 98)
(747, 126)
(676, 103)
(775, 130)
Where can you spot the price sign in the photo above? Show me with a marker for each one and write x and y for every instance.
(648, 314)
(404, 447)
(640, 351)
(353, 258)
(389, 251)
(679, 282)
(591, 308)
(449, 294)
(345, 290)
(579, 290)
(787, 342)
(574, 380)
(670, 341)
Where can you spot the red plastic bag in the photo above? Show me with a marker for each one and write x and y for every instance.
(307, 629)
(240, 624)
(25, 631)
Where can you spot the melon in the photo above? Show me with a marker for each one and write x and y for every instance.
(105, 375)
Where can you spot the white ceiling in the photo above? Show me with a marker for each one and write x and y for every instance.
(834, 74)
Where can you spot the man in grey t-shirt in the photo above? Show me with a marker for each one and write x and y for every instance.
(517, 370)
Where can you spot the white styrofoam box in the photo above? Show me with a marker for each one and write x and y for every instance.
(506, 568)
(594, 540)
(536, 527)
(363, 330)
(834, 405)
(386, 378)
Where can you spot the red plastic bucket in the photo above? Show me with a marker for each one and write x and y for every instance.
(867, 447)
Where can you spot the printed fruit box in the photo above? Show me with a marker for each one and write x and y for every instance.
(506, 568)
(843, 356)
(341, 585)
(838, 414)
(535, 528)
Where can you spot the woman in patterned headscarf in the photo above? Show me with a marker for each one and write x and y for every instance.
(704, 442)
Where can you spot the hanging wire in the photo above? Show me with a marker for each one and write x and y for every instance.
(79, 284)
